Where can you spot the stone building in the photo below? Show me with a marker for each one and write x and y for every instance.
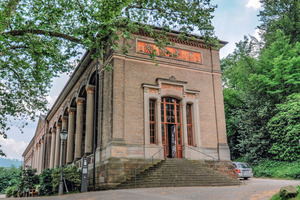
(173, 110)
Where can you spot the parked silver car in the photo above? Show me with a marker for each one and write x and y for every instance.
(243, 170)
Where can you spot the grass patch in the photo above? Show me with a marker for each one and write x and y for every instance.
(277, 169)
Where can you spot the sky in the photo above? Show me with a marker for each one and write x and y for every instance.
(232, 20)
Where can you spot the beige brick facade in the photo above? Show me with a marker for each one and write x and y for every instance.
(193, 78)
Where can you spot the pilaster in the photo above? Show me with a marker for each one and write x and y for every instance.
(57, 145)
(79, 127)
(70, 139)
(89, 120)
(52, 153)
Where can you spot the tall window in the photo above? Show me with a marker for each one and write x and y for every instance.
(152, 121)
(189, 124)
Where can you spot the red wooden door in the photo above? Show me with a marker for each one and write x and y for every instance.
(171, 127)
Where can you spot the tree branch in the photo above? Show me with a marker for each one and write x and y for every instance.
(12, 48)
(14, 72)
(43, 32)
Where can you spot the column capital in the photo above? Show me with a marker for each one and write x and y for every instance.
(71, 111)
(58, 125)
(64, 119)
(90, 89)
(80, 101)
(53, 130)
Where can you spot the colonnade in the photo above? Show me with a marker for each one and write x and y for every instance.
(73, 121)
(37, 156)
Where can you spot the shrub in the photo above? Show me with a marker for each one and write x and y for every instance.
(9, 177)
(29, 179)
(72, 177)
(12, 191)
(8, 192)
(46, 187)
(277, 169)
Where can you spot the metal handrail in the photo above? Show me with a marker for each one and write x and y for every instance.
(208, 156)
(200, 152)
(204, 154)
(151, 158)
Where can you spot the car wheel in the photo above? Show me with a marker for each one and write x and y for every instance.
(245, 178)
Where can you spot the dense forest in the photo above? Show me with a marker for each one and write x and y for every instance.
(261, 81)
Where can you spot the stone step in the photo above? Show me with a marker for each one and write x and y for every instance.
(175, 173)
(178, 185)
(179, 182)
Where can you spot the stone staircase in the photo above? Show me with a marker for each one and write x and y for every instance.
(178, 173)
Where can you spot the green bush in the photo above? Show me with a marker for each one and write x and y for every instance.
(277, 169)
(29, 179)
(9, 192)
(284, 130)
(12, 191)
(9, 177)
(72, 176)
(46, 187)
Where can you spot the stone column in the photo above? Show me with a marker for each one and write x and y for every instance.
(158, 121)
(184, 125)
(52, 148)
(64, 151)
(39, 158)
(41, 155)
(33, 158)
(57, 145)
(70, 139)
(79, 127)
(89, 120)
(36, 157)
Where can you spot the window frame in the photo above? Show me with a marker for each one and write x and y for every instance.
(152, 123)
(189, 124)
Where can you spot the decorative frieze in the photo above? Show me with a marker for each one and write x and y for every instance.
(179, 41)
(172, 87)
(146, 47)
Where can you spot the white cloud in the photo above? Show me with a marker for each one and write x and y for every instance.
(51, 100)
(253, 4)
(12, 148)
(256, 34)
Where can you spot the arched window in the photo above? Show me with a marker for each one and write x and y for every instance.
(189, 122)
(152, 121)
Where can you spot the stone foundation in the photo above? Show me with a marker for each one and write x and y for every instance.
(224, 167)
(113, 171)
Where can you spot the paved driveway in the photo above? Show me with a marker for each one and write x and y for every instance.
(252, 189)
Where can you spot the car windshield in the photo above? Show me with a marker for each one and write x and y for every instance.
(244, 165)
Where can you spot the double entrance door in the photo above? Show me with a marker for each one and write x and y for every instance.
(171, 127)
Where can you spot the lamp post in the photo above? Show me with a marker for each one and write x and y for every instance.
(63, 137)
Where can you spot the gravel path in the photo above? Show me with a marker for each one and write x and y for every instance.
(252, 189)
